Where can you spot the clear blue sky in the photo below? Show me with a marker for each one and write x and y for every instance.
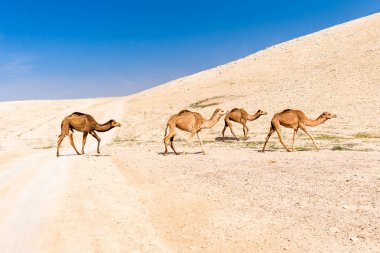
(77, 49)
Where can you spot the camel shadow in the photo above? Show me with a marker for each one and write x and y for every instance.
(96, 155)
(68, 155)
(180, 153)
(225, 138)
(284, 151)
(229, 139)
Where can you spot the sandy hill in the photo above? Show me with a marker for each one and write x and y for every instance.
(335, 70)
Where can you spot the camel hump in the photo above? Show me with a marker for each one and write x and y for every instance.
(235, 109)
(78, 114)
(286, 110)
(183, 111)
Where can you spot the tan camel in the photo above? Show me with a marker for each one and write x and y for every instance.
(294, 119)
(191, 122)
(241, 116)
(83, 123)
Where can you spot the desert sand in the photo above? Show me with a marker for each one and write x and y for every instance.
(131, 198)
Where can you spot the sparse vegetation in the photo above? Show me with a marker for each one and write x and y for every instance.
(328, 137)
(45, 147)
(119, 139)
(304, 148)
(339, 148)
(365, 135)
(251, 144)
(273, 146)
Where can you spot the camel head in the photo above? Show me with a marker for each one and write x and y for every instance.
(114, 123)
(220, 112)
(260, 112)
(328, 115)
(214, 118)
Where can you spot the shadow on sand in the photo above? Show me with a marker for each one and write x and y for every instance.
(68, 155)
(96, 155)
(231, 139)
(225, 138)
(180, 153)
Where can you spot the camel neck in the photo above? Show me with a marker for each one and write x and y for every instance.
(254, 116)
(212, 121)
(315, 122)
(103, 127)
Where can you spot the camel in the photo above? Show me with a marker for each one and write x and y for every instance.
(295, 119)
(191, 122)
(83, 123)
(241, 116)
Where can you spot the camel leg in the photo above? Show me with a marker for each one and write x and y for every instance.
(171, 145)
(228, 123)
(98, 139)
(189, 142)
(167, 139)
(166, 147)
(65, 130)
(232, 131)
(201, 142)
(224, 129)
(279, 133)
(271, 130)
(72, 141)
(84, 141)
(294, 137)
(311, 137)
(246, 130)
(60, 139)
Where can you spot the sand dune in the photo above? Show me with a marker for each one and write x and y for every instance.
(133, 199)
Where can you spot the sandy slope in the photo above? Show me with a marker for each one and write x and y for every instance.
(133, 199)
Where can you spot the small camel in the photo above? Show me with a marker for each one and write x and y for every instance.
(83, 123)
(241, 116)
(294, 119)
(191, 122)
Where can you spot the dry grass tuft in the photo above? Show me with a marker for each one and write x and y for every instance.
(365, 135)
(207, 102)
